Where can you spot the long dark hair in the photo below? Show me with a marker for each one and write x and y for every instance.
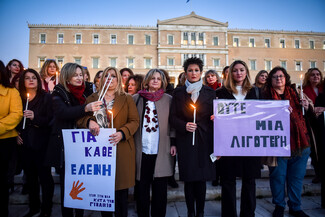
(4, 79)
(22, 87)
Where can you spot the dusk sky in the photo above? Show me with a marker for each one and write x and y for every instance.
(301, 15)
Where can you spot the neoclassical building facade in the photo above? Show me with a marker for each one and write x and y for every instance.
(171, 42)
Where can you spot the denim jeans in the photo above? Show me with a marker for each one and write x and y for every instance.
(292, 171)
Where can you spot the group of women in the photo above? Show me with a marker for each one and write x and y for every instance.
(149, 135)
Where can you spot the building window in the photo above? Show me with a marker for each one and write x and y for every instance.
(267, 43)
(193, 38)
(185, 38)
(236, 42)
(201, 38)
(216, 41)
(148, 39)
(283, 64)
(130, 39)
(312, 64)
(252, 42)
(113, 62)
(130, 63)
(170, 39)
(95, 39)
(170, 62)
(282, 43)
(252, 64)
(42, 38)
(323, 44)
(41, 61)
(60, 61)
(95, 62)
(147, 63)
(78, 39)
(113, 39)
(77, 60)
(297, 43)
(60, 38)
(312, 44)
(216, 62)
(298, 66)
(268, 65)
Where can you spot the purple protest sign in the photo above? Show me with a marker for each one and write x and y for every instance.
(251, 128)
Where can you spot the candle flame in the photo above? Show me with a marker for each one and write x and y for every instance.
(301, 76)
(27, 95)
(193, 106)
(221, 76)
(110, 111)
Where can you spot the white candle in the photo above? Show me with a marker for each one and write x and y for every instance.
(111, 112)
(221, 80)
(56, 78)
(194, 117)
(24, 123)
(301, 94)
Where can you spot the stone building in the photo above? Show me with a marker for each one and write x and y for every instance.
(169, 43)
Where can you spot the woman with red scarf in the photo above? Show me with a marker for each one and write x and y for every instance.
(312, 87)
(68, 105)
(211, 79)
(154, 153)
(289, 171)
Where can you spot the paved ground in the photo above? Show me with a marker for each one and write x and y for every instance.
(310, 204)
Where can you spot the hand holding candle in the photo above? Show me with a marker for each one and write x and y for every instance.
(26, 108)
(194, 117)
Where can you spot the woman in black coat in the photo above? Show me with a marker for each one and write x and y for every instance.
(68, 105)
(237, 86)
(34, 138)
(195, 166)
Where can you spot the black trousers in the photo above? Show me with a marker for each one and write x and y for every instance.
(67, 212)
(121, 204)
(7, 148)
(159, 189)
(228, 197)
(195, 193)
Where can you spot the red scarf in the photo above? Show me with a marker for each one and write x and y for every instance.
(152, 96)
(77, 92)
(215, 85)
(299, 139)
(310, 92)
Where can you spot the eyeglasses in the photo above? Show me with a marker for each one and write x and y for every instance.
(279, 76)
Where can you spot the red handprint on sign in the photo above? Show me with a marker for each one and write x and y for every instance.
(76, 190)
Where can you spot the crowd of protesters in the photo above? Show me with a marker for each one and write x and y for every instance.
(154, 123)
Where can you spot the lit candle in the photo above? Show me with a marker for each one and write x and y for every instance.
(111, 112)
(301, 94)
(24, 123)
(56, 78)
(194, 117)
(221, 80)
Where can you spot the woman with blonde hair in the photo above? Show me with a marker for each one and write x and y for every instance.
(48, 75)
(154, 151)
(126, 122)
(238, 87)
(69, 105)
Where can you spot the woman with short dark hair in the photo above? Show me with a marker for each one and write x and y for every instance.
(195, 165)
(288, 173)
(133, 84)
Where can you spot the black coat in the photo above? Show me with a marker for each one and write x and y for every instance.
(194, 161)
(37, 131)
(320, 130)
(67, 110)
(240, 166)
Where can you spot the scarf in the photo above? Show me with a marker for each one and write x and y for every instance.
(152, 96)
(77, 92)
(215, 85)
(310, 92)
(194, 89)
(299, 139)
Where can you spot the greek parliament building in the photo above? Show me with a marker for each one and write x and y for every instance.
(171, 42)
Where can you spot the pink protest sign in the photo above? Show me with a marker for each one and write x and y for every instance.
(251, 128)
